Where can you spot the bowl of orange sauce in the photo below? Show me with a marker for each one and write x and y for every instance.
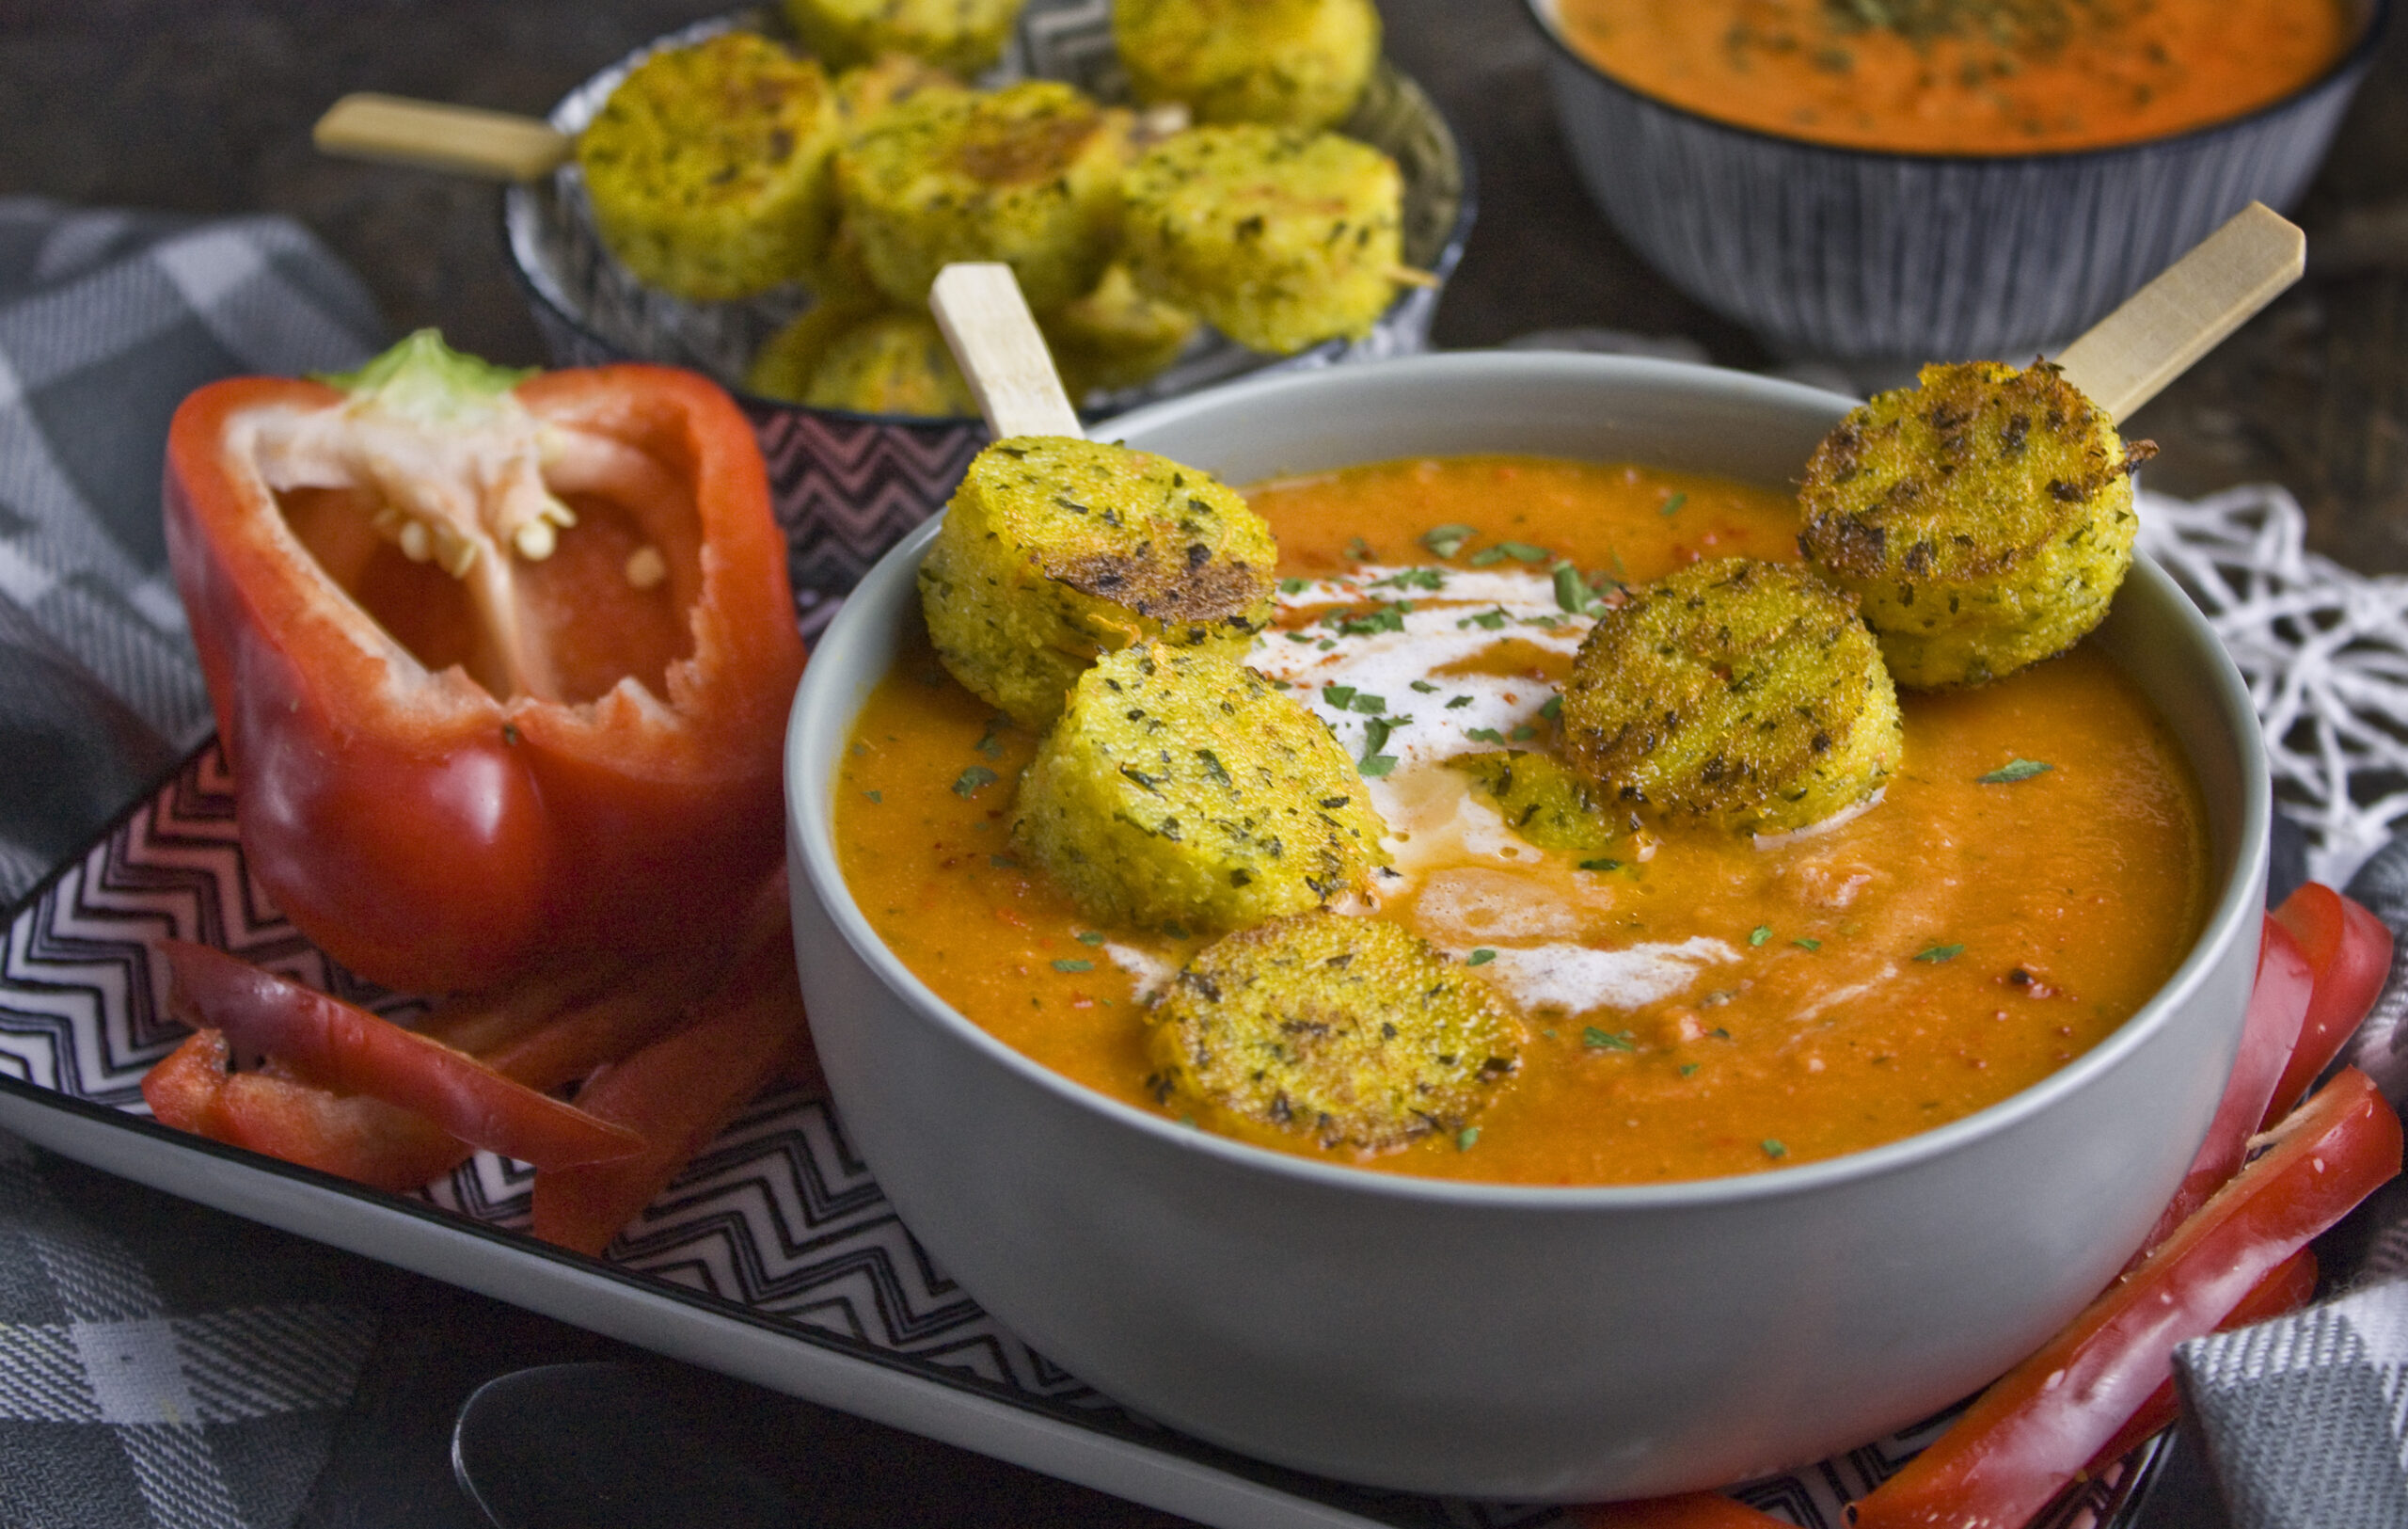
(1810, 1136)
(1909, 180)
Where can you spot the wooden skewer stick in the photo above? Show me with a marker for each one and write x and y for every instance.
(2124, 359)
(1003, 356)
(396, 130)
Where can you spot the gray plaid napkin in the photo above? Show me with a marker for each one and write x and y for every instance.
(107, 320)
(159, 1365)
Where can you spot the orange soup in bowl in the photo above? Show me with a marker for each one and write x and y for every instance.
(1963, 76)
(1695, 1005)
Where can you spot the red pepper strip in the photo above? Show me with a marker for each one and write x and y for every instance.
(1690, 1510)
(2290, 1287)
(679, 1092)
(2349, 950)
(358, 1138)
(2025, 1438)
(350, 1050)
(2278, 1003)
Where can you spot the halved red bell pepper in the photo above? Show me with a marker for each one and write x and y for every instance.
(2349, 949)
(501, 663)
(327, 1042)
(2028, 1435)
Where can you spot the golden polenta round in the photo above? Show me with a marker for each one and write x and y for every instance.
(1738, 694)
(1983, 519)
(962, 36)
(1056, 549)
(889, 363)
(1028, 175)
(1280, 239)
(1115, 336)
(1291, 63)
(708, 167)
(1181, 788)
(1351, 1031)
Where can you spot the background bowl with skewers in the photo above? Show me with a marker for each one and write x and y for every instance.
(849, 483)
(1880, 257)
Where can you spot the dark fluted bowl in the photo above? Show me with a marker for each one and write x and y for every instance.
(847, 485)
(1865, 256)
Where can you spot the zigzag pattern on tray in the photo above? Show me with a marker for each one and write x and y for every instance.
(846, 489)
(778, 1216)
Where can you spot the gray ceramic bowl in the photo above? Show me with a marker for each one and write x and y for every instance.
(1486, 1340)
(1858, 255)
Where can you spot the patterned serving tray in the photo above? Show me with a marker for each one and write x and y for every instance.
(774, 1256)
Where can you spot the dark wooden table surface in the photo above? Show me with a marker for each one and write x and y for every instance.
(206, 109)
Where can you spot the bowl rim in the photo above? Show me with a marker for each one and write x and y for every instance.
(1328, 352)
(2354, 58)
(821, 722)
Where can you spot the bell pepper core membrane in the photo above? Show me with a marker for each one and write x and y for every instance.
(500, 661)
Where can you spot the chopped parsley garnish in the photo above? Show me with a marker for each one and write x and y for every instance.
(1412, 578)
(1369, 706)
(1448, 540)
(1485, 621)
(989, 744)
(1775, 1148)
(1002, 862)
(1357, 549)
(1480, 957)
(1601, 865)
(1938, 953)
(1597, 1039)
(1295, 586)
(1375, 734)
(1325, 643)
(1487, 555)
(1389, 615)
(1807, 945)
(1464, 1138)
(1571, 594)
(1458, 702)
(2013, 770)
(1522, 552)
(1672, 506)
(1689, 1069)
(974, 780)
(1300, 637)
(1484, 735)
(1759, 934)
(1338, 696)
(1376, 765)
(873, 796)
(1524, 732)
(1070, 965)
(1553, 711)
(1091, 936)
(1425, 688)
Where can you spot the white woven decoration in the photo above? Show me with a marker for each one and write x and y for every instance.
(2325, 653)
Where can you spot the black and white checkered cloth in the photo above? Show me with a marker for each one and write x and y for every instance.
(159, 1365)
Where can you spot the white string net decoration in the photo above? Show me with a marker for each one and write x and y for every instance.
(2325, 653)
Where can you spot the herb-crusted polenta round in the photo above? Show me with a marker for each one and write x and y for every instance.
(1983, 519)
(1028, 175)
(1054, 550)
(1116, 336)
(1351, 1030)
(889, 363)
(963, 36)
(1182, 788)
(707, 167)
(1735, 692)
(1546, 801)
(1280, 239)
(1291, 63)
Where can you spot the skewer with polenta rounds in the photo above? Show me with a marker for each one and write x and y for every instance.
(1280, 239)
(961, 36)
(1028, 175)
(1350, 1031)
(1291, 63)
(1734, 693)
(1056, 549)
(708, 167)
(1181, 788)
(1983, 518)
